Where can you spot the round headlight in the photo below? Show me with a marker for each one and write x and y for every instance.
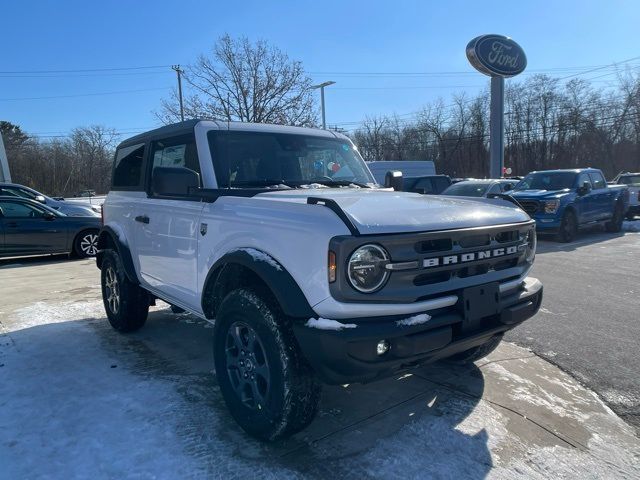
(532, 243)
(366, 269)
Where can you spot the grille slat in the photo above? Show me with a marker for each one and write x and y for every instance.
(529, 206)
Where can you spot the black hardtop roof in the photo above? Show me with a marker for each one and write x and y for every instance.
(173, 129)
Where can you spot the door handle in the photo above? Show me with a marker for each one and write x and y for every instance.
(142, 219)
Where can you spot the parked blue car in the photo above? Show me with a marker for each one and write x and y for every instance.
(563, 201)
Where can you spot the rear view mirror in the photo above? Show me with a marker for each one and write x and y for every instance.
(507, 187)
(393, 179)
(174, 181)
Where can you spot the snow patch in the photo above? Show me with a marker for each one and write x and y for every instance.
(326, 324)
(415, 320)
(259, 256)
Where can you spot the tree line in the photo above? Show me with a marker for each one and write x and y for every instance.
(548, 123)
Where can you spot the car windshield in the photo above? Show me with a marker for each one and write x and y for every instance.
(547, 181)
(630, 180)
(471, 189)
(257, 159)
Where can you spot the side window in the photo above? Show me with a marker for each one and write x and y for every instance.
(19, 210)
(424, 185)
(495, 188)
(584, 177)
(598, 180)
(175, 152)
(128, 168)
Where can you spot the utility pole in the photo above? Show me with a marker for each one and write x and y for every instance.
(179, 73)
(5, 174)
(321, 87)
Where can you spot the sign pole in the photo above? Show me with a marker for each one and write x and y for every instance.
(5, 174)
(496, 126)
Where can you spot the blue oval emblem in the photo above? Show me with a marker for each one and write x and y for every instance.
(496, 55)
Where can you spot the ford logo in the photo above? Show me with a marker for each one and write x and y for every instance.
(496, 56)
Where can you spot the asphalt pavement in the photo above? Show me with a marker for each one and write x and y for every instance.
(589, 323)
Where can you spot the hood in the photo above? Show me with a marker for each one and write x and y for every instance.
(538, 194)
(375, 211)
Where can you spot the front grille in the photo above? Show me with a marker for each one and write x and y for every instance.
(529, 206)
(443, 261)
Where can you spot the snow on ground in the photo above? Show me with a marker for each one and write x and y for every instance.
(327, 324)
(78, 400)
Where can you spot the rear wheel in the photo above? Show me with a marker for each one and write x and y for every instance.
(568, 227)
(86, 244)
(266, 383)
(126, 304)
(476, 353)
(615, 225)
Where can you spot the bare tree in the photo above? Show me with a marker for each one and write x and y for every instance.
(249, 82)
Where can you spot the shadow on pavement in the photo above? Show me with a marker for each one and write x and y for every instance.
(90, 394)
(17, 262)
(547, 243)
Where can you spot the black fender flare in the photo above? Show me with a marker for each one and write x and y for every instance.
(108, 238)
(277, 279)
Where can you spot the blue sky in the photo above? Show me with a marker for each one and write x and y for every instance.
(331, 38)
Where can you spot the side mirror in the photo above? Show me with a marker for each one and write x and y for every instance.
(393, 179)
(174, 181)
(584, 188)
(41, 199)
(48, 216)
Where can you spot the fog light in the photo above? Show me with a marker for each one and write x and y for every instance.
(382, 347)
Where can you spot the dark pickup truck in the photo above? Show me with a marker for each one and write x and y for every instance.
(562, 201)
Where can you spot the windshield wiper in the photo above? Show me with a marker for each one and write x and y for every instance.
(340, 183)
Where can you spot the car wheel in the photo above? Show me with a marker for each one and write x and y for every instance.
(265, 381)
(476, 353)
(126, 304)
(568, 227)
(615, 225)
(86, 244)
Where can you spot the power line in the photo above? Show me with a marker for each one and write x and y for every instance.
(85, 70)
(119, 92)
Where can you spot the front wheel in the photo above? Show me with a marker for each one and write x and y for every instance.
(568, 227)
(615, 225)
(266, 383)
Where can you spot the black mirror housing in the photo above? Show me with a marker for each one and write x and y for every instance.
(393, 179)
(584, 188)
(174, 181)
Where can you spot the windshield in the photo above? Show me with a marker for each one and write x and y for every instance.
(474, 189)
(257, 159)
(630, 180)
(547, 181)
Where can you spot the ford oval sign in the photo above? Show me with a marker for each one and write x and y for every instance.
(496, 56)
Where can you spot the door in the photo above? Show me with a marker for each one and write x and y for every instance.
(585, 204)
(167, 229)
(602, 197)
(29, 230)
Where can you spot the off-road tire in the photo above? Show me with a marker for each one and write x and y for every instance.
(568, 227)
(126, 304)
(250, 326)
(86, 244)
(476, 353)
(615, 225)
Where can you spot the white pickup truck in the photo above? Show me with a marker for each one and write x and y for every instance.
(632, 180)
(312, 272)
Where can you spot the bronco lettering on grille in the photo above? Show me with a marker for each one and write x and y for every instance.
(468, 257)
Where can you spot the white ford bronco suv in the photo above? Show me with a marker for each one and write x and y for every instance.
(312, 272)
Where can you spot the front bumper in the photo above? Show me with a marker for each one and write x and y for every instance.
(349, 355)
